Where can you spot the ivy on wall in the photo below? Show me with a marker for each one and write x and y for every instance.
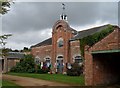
(92, 39)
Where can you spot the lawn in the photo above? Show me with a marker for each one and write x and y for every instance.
(7, 84)
(78, 80)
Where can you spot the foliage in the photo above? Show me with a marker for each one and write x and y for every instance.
(3, 38)
(92, 39)
(7, 84)
(26, 49)
(5, 51)
(4, 5)
(26, 64)
(2, 43)
(79, 80)
(76, 70)
(43, 70)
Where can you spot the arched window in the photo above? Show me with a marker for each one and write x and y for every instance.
(60, 42)
(37, 60)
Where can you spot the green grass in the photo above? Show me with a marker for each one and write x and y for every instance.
(78, 80)
(7, 84)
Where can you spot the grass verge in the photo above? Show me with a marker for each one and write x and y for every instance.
(78, 80)
(9, 84)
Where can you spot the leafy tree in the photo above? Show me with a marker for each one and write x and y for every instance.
(4, 5)
(3, 38)
(2, 43)
(4, 52)
(15, 50)
(25, 49)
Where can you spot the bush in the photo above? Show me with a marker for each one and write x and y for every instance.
(26, 64)
(76, 70)
(32, 70)
(43, 70)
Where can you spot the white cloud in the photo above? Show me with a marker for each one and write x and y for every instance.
(18, 41)
(66, 0)
(31, 23)
(96, 24)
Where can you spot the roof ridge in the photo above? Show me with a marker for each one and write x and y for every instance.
(47, 41)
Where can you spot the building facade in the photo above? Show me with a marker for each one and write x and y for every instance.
(10, 60)
(58, 50)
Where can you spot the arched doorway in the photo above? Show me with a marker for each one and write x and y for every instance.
(60, 65)
(48, 62)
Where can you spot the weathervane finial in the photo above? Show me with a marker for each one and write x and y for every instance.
(63, 6)
(63, 16)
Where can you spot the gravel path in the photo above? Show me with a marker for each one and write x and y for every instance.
(25, 81)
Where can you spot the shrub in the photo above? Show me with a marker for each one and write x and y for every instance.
(32, 70)
(43, 70)
(26, 64)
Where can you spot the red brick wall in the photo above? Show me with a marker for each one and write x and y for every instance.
(88, 68)
(74, 49)
(42, 51)
(11, 63)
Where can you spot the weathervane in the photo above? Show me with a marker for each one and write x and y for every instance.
(63, 16)
(63, 6)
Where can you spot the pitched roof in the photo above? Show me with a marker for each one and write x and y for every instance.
(45, 42)
(80, 35)
(15, 55)
(88, 32)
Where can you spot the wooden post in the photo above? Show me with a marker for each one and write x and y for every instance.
(5, 69)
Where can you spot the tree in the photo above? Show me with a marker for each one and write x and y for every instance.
(25, 49)
(3, 38)
(4, 5)
(3, 54)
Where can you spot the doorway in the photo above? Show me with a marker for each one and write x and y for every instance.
(60, 66)
(106, 68)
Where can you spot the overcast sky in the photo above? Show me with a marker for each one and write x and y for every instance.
(31, 22)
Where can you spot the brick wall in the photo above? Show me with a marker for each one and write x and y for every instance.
(74, 49)
(11, 63)
(42, 51)
(88, 68)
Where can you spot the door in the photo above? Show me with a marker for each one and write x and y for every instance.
(60, 66)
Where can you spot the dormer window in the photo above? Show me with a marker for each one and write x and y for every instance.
(60, 42)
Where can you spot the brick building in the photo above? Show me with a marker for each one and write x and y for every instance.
(63, 47)
(58, 50)
(10, 61)
(102, 60)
